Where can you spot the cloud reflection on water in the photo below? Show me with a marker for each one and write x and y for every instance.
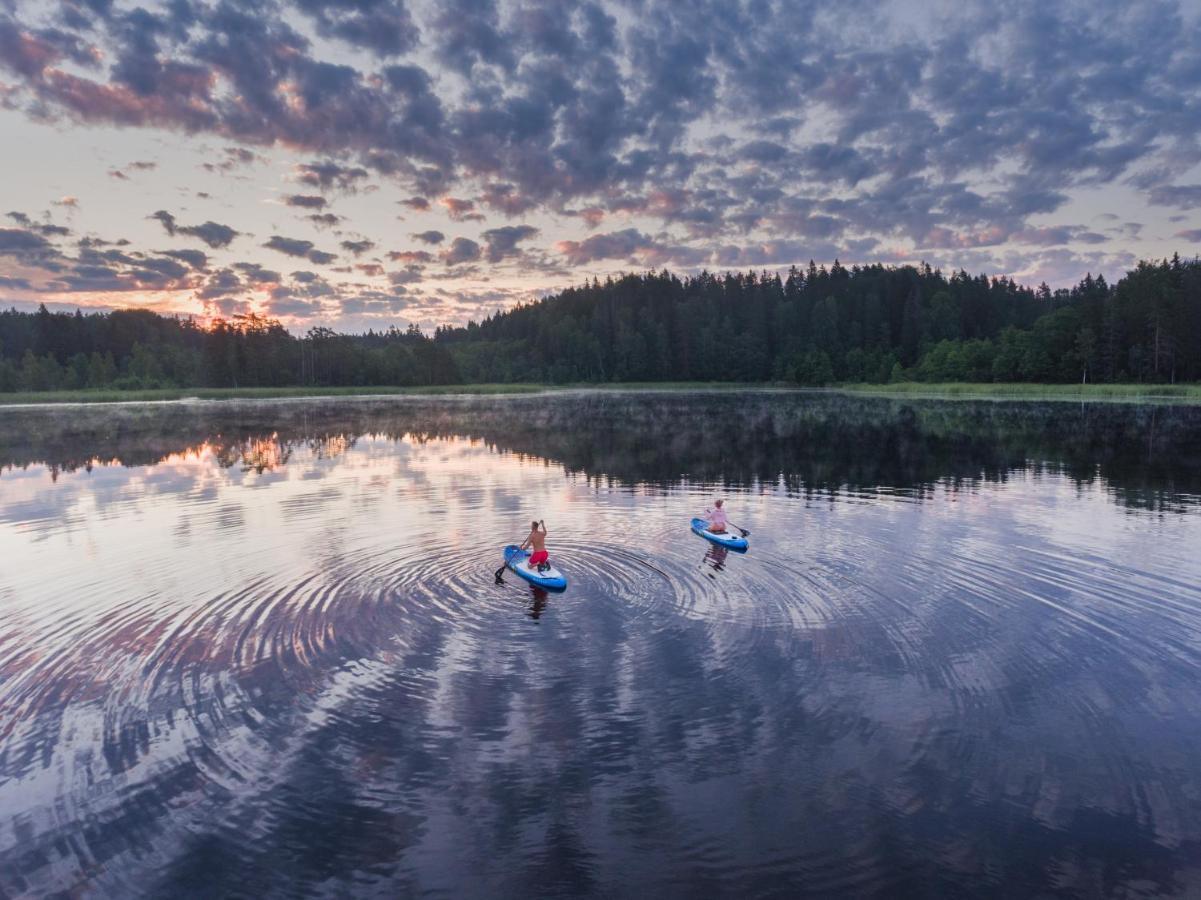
(951, 660)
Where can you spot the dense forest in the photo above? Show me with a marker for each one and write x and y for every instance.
(816, 326)
(141, 349)
(862, 324)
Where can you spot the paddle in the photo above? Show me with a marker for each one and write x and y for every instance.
(499, 572)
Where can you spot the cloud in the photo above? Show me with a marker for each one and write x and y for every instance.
(46, 229)
(227, 306)
(469, 34)
(1049, 235)
(135, 166)
(233, 158)
(326, 175)
(293, 307)
(461, 250)
(214, 234)
(416, 256)
(115, 270)
(595, 110)
(219, 284)
(305, 201)
(383, 27)
(290, 246)
(24, 53)
(407, 275)
(167, 220)
(611, 245)
(772, 129)
(1178, 196)
(299, 248)
(167, 268)
(592, 215)
(459, 210)
(197, 259)
(358, 248)
(18, 242)
(256, 274)
(507, 199)
(1192, 235)
(502, 242)
(374, 303)
(94, 242)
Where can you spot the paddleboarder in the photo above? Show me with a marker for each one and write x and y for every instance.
(539, 559)
(716, 517)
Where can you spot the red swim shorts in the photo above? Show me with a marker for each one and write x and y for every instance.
(539, 556)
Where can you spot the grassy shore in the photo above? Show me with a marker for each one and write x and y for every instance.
(1179, 393)
(253, 393)
(274, 393)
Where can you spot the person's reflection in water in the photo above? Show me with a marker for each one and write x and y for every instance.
(539, 602)
(716, 557)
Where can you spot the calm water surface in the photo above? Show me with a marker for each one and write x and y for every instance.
(256, 649)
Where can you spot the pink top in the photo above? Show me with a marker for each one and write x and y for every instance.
(717, 516)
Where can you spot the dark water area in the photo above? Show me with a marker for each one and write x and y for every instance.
(256, 649)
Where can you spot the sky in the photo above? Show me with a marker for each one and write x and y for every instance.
(362, 163)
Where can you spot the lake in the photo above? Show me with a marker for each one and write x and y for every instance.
(257, 648)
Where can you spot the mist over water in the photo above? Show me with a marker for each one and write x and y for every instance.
(257, 649)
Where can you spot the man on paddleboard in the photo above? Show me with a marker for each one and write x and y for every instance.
(716, 517)
(539, 559)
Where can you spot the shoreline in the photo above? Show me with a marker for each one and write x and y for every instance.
(1128, 393)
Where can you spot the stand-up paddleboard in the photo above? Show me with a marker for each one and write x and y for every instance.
(731, 539)
(519, 561)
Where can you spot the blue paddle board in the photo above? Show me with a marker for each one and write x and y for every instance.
(730, 539)
(518, 560)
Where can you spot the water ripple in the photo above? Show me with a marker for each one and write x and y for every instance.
(352, 670)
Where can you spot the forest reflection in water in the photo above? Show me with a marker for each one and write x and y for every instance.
(256, 648)
(1148, 455)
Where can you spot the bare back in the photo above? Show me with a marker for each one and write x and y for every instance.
(537, 539)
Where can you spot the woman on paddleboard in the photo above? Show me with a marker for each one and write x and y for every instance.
(539, 559)
(716, 517)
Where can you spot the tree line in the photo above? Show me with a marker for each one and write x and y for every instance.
(134, 349)
(812, 326)
(870, 323)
